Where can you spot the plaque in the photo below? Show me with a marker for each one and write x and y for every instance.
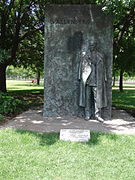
(75, 135)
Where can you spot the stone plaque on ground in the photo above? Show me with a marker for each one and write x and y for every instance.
(68, 31)
(75, 135)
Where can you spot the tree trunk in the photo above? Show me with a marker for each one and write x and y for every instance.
(121, 81)
(3, 78)
(38, 78)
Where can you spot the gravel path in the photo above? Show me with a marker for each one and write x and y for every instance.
(121, 123)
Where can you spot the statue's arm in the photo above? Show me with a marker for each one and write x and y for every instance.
(80, 65)
(80, 70)
(101, 60)
(105, 72)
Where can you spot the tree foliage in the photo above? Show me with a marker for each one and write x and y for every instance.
(19, 20)
(124, 38)
(19, 73)
(31, 53)
(21, 32)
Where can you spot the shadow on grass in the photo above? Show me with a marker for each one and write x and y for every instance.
(126, 99)
(95, 138)
(29, 84)
(125, 87)
(31, 91)
(47, 139)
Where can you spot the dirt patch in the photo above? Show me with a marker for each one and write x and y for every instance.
(130, 111)
(7, 119)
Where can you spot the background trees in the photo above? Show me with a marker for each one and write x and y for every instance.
(31, 54)
(21, 33)
(124, 37)
(21, 73)
(19, 20)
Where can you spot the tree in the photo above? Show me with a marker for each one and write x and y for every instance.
(124, 38)
(31, 54)
(19, 73)
(19, 19)
(124, 33)
(125, 58)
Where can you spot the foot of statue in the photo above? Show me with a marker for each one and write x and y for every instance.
(87, 115)
(99, 119)
(87, 118)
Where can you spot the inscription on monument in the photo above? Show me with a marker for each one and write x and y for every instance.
(70, 21)
(75, 135)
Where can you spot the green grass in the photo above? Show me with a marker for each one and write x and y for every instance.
(30, 155)
(18, 85)
(26, 88)
(39, 156)
(126, 99)
(26, 91)
(20, 96)
(33, 94)
(123, 100)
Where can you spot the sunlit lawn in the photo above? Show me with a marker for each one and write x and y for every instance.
(26, 91)
(41, 156)
(18, 85)
(30, 155)
(125, 99)
(126, 86)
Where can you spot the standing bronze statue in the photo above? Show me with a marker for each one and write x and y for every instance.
(92, 76)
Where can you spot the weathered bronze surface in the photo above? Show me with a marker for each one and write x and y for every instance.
(69, 30)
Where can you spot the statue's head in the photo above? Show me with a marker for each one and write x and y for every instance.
(92, 43)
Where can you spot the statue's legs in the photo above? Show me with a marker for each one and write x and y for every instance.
(91, 107)
(97, 110)
(89, 103)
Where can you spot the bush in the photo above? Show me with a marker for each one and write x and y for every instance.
(10, 105)
(1, 117)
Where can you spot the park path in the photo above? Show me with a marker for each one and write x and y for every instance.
(121, 123)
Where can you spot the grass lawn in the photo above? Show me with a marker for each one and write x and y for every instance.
(30, 155)
(19, 85)
(33, 94)
(126, 99)
(41, 156)
(26, 91)
(29, 93)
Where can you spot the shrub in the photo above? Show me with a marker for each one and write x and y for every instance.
(1, 117)
(10, 105)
